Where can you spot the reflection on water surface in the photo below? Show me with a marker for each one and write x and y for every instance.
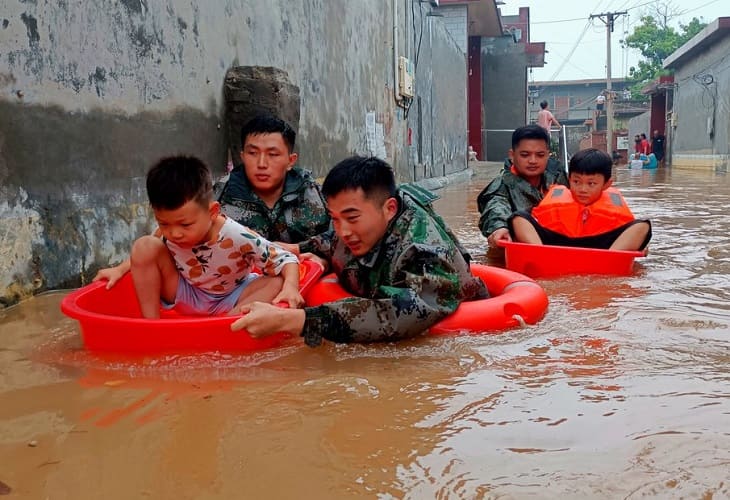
(621, 391)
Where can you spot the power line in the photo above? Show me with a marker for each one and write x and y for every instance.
(609, 22)
(629, 8)
(641, 5)
(577, 42)
(559, 21)
(697, 8)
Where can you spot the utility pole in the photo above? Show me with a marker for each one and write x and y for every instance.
(610, 17)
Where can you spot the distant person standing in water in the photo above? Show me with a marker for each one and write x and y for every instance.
(545, 118)
(644, 146)
(657, 146)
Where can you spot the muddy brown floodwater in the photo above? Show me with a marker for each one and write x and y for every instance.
(622, 391)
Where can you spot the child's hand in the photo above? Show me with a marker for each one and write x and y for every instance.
(291, 295)
(111, 275)
(499, 234)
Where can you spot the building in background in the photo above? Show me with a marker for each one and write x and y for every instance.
(471, 22)
(499, 53)
(505, 62)
(697, 109)
(573, 102)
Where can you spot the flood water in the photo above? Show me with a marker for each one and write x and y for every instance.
(622, 391)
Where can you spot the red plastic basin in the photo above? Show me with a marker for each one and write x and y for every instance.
(110, 320)
(547, 261)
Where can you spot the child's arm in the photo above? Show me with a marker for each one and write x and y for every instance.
(290, 289)
(113, 274)
(289, 247)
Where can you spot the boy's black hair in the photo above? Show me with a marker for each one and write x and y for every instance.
(643, 135)
(269, 124)
(175, 180)
(530, 132)
(544, 104)
(374, 176)
(591, 161)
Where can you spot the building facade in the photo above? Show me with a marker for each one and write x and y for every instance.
(91, 95)
(573, 102)
(698, 114)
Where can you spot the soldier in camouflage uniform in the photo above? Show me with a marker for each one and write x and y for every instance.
(390, 250)
(269, 194)
(522, 186)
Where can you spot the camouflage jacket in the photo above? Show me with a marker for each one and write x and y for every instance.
(415, 276)
(508, 193)
(299, 213)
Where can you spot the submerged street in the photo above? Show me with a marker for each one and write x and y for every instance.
(621, 391)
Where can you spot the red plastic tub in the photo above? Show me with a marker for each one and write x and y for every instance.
(548, 261)
(110, 320)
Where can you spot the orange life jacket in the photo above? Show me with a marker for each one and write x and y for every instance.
(559, 212)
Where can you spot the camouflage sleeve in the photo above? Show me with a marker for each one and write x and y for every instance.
(428, 292)
(494, 207)
(320, 212)
(320, 244)
(309, 217)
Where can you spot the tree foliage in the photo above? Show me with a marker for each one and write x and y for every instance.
(656, 40)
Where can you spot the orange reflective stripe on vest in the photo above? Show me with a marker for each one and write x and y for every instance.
(560, 213)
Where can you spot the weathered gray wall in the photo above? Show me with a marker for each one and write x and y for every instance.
(91, 93)
(504, 93)
(702, 110)
(438, 115)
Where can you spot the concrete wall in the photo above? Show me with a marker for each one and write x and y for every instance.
(701, 110)
(455, 18)
(438, 115)
(504, 93)
(91, 93)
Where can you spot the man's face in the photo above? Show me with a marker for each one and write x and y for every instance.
(530, 158)
(587, 188)
(266, 160)
(360, 222)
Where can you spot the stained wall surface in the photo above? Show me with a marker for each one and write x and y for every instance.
(92, 93)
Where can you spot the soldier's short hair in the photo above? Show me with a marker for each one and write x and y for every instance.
(175, 180)
(266, 123)
(373, 175)
(531, 131)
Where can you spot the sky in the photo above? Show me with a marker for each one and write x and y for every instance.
(563, 23)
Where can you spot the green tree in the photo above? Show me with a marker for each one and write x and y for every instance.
(655, 39)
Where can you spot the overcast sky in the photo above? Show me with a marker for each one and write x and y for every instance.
(560, 24)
